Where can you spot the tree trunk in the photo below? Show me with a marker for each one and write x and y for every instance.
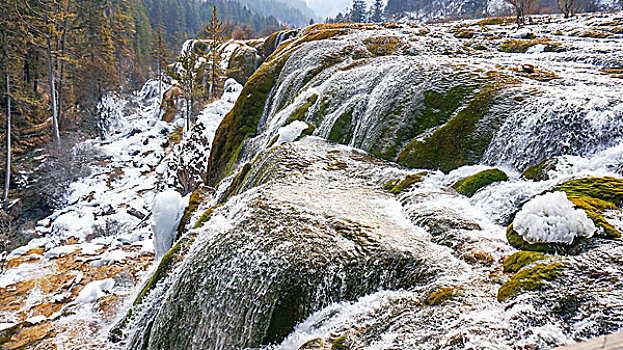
(7, 180)
(62, 68)
(57, 136)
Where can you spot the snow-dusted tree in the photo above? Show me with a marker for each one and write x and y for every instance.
(567, 7)
(212, 37)
(161, 55)
(376, 12)
(358, 12)
(521, 8)
(184, 76)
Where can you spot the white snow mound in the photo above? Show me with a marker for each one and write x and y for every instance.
(167, 212)
(95, 290)
(552, 218)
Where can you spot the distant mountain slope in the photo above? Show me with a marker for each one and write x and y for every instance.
(293, 12)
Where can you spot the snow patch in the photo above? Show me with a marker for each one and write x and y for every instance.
(552, 218)
(95, 290)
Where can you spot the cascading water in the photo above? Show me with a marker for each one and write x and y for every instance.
(316, 245)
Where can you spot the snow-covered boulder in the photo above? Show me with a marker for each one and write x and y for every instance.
(95, 290)
(167, 211)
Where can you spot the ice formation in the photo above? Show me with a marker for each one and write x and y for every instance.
(167, 212)
(552, 218)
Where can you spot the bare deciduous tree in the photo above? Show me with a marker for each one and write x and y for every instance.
(567, 7)
(522, 8)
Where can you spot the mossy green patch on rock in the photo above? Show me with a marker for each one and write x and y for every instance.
(523, 45)
(608, 189)
(238, 181)
(440, 295)
(299, 113)
(341, 130)
(309, 131)
(595, 196)
(538, 171)
(519, 260)
(338, 165)
(530, 279)
(456, 143)
(340, 343)
(206, 216)
(515, 239)
(193, 203)
(396, 186)
(471, 184)
(163, 269)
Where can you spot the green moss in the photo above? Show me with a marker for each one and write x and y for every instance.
(522, 46)
(309, 131)
(337, 166)
(465, 34)
(594, 208)
(608, 189)
(530, 279)
(341, 130)
(436, 107)
(299, 113)
(456, 143)
(595, 196)
(440, 295)
(241, 122)
(193, 203)
(538, 172)
(470, 185)
(206, 216)
(163, 269)
(382, 45)
(238, 181)
(519, 260)
(396, 186)
(515, 239)
(272, 142)
(340, 343)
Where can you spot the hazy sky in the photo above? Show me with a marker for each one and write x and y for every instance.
(326, 8)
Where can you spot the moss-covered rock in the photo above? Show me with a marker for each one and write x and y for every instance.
(238, 181)
(340, 343)
(522, 46)
(471, 184)
(196, 198)
(519, 260)
(299, 113)
(515, 239)
(307, 132)
(206, 216)
(530, 279)
(396, 186)
(596, 196)
(440, 295)
(539, 171)
(456, 143)
(341, 132)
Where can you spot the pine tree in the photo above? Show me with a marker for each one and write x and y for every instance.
(184, 76)
(376, 12)
(212, 38)
(358, 12)
(161, 56)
